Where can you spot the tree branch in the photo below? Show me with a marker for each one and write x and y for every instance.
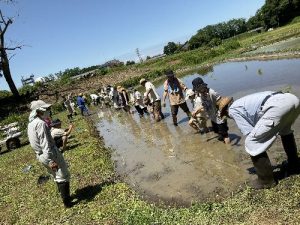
(11, 49)
(6, 24)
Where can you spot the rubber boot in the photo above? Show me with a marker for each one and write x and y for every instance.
(162, 116)
(290, 148)
(64, 189)
(264, 171)
(174, 117)
(189, 114)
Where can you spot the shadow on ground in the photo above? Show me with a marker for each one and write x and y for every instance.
(89, 192)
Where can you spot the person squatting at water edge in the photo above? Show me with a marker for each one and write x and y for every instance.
(152, 98)
(261, 117)
(209, 98)
(46, 151)
(174, 88)
(198, 120)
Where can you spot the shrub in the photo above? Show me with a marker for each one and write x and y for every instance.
(57, 107)
(231, 44)
(5, 94)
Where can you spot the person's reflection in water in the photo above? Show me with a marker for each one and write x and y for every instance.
(165, 136)
(150, 133)
(135, 128)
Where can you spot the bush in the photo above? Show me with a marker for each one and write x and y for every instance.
(5, 94)
(22, 119)
(57, 107)
(231, 44)
(296, 20)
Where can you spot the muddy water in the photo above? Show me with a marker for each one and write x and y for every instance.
(173, 164)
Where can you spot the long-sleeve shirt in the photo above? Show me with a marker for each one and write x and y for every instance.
(246, 111)
(40, 139)
(209, 102)
(80, 101)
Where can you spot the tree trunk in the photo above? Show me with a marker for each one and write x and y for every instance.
(7, 75)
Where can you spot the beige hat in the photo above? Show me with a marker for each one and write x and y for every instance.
(39, 104)
(80, 94)
(223, 102)
(189, 93)
(143, 80)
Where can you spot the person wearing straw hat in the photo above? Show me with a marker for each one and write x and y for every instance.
(261, 117)
(198, 120)
(152, 99)
(123, 99)
(209, 98)
(46, 151)
(174, 88)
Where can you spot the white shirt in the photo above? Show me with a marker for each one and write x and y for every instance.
(197, 103)
(246, 111)
(209, 103)
(94, 96)
(153, 96)
(40, 139)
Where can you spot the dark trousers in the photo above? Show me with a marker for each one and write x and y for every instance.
(139, 109)
(221, 129)
(183, 106)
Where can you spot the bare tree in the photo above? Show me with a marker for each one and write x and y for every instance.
(4, 64)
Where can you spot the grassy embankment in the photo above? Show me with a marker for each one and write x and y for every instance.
(105, 200)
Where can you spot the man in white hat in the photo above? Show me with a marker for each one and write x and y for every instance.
(46, 151)
(261, 117)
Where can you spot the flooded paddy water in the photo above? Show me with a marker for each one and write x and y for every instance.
(175, 165)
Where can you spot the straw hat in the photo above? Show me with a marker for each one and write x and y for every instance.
(223, 102)
(143, 80)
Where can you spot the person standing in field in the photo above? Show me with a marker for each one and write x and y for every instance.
(209, 98)
(198, 120)
(46, 151)
(137, 101)
(123, 99)
(81, 104)
(152, 98)
(174, 88)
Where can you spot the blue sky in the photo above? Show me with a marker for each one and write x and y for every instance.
(61, 34)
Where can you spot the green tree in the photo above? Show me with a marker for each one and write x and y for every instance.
(128, 63)
(170, 48)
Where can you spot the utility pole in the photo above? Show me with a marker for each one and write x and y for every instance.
(139, 55)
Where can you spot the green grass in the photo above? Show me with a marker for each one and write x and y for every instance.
(106, 200)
